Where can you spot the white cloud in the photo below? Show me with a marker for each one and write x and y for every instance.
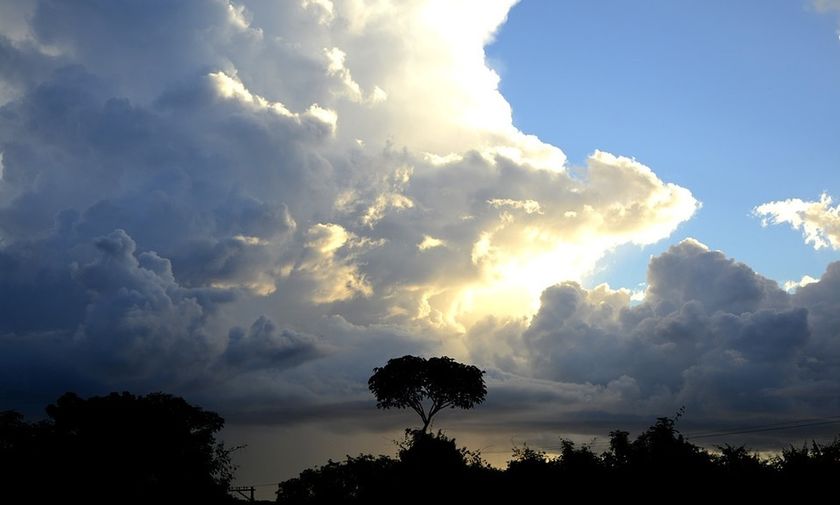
(792, 286)
(306, 189)
(336, 275)
(326, 9)
(430, 242)
(529, 206)
(336, 67)
(818, 220)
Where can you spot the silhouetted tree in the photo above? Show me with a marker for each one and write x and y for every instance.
(621, 450)
(118, 448)
(530, 474)
(739, 463)
(820, 461)
(579, 462)
(427, 386)
(659, 451)
(363, 479)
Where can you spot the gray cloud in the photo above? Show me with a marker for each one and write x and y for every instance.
(200, 198)
(138, 317)
(711, 334)
(266, 346)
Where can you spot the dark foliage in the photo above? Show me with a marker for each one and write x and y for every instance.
(738, 464)
(815, 462)
(429, 469)
(660, 450)
(119, 448)
(354, 480)
(658, 465)
(427, 386)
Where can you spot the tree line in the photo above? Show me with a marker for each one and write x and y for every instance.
(157, 448)
(658, 465)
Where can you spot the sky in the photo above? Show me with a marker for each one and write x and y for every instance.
(709, 94)
(615, 209)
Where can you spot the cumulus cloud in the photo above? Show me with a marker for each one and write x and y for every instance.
(818, 220)
(711, 335)
(137, 316)
(245, 132)
(265, 345)
(259, 202)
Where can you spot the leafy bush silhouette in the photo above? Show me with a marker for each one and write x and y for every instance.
(120, 447)
(530, 472)
(428, 468)
(363, 479)
(424, 452)
(817, 462)
(579, 462)
(534, 474)
(661, 450)
(739, 464)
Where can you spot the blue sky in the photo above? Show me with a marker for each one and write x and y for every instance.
(737, 101)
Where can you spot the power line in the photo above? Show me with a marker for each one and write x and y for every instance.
(599, 442)
(260, 485)
(760, 429)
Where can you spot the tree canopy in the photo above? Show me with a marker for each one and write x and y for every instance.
(121, 448)
(427, 386)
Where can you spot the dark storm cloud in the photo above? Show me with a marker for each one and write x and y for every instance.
(212, 200)
(711, 334)
(264, 345)
(138, 317)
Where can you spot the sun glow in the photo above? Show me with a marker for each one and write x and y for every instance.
(510, 286)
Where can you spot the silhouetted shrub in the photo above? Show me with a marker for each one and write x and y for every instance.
(579, 462)
(659, 452)
(817, 462)
(530, 474)
(364, 479)
(425, 452)
(117, 448)
(738, 464)
(429, 469)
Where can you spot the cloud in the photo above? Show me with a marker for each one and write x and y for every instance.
(137, 315)
(257, 203)
(825, 5)
(253, 204)
(266, 346)
(818, 220)
(792, 286)
(711, 335)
